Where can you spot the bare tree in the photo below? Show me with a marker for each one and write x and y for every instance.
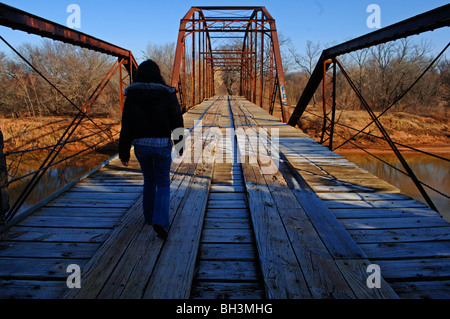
(164, 56)
(391, 68)
(73, 70)
(307, 61)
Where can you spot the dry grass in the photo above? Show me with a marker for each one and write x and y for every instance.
(28, 133)
(405, 128)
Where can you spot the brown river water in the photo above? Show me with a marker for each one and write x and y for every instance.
(431, 171)
(54, 179)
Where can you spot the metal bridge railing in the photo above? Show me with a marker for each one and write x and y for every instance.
(328, 62)
(125, 66)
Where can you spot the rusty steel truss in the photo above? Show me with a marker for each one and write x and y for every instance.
(27, 22)
(125, 67)
(240, 40)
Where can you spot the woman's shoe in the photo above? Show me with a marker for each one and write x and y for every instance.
(160, 230)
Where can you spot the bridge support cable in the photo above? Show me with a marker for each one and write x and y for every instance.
(398, 98)
(428, 21)
(389, 140)
(233, 47)
(329, 100)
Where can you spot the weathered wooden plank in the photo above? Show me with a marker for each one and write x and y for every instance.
(30, 289)
(227, 236)
(384, 213)
(227, 196)
(362, 196)
(396, 223)
(230, 204)
(105, 203)
(374, 204)
(322, 275)
(282, 275)
(81, 211)
(407, 250)
(370, 236)
(143, 255)
(227, 271)
(227, 213)
(339, 189)
(80, 196)
(376, 185)
(101, 265)
(227, 290)
(415, 269)
(227, 251)
(423, 289)
(130, 282)
(70, 235)
(173, 274)
(71, 222)
(107, 189)
(334, 235)
(216, 223)
(37, 268)
(227, 189)
(225, 182)
(355, 271)
(47, 250)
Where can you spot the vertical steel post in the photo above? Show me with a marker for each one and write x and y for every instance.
(255, 61)
(279, 67)
(183, 79)
(329, 100)
(333, 106)
(204, 63)
(122, 89)
(271, 80)
(326, 96)
(261, 72)
(4, 195)
(200, 56)
(193, 63)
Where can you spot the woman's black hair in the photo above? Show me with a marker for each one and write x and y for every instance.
(149, 72)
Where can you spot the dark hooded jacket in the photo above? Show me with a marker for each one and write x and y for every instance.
(150, 110)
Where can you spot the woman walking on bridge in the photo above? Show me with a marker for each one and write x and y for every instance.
(151, 113)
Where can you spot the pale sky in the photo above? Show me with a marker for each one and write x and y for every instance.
(132, 24)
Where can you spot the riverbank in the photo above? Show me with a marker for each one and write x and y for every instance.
(438, 149)
(430, 133)
(427, 133)
(40, 132)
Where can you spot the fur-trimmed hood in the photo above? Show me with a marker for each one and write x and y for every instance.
(150, 87)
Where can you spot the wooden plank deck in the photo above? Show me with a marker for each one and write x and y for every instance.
(239, 229)
(35, 253)
(409, 241)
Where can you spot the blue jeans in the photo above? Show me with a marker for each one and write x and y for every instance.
(155, 157)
